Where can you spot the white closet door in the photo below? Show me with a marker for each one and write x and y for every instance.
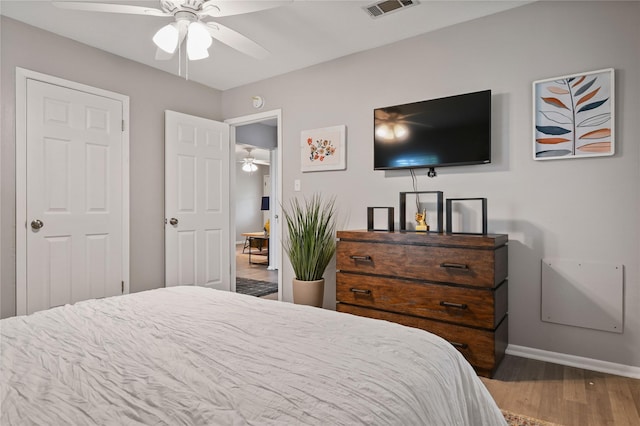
(196, 201)
(73, 202)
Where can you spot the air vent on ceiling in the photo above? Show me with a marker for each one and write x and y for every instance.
(380, 8)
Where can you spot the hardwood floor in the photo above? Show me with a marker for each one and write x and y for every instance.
(255, 271)
(565, 395)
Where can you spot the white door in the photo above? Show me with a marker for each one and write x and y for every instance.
(196, 201)
(74, 210)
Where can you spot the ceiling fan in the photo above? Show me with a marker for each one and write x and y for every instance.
(189, 23)
(249, 164)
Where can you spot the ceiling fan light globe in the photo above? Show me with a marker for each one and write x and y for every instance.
(167, 38)
(198, 41)
(249, 167)
(198, 35)
(196, 54)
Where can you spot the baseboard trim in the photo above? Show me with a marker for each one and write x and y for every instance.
(575, 361)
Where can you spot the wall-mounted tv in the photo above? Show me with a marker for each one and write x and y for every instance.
(450, 131)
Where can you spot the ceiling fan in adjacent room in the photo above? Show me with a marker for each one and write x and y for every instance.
(190, 23)
(250, 162)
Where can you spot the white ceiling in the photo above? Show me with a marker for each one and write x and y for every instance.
(261, 156)
(300, 34)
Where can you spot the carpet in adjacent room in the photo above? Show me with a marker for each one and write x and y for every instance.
(255, 287)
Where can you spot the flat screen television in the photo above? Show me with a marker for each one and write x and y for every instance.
(450, 131)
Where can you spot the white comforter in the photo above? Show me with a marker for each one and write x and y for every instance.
(195, 356)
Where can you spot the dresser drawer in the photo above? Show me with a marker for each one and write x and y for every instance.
(456, 265)
(476, 307)
(483, 349)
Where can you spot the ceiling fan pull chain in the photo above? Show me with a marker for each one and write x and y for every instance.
(180, 60)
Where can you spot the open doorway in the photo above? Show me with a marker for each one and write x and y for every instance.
(254, 273)
(254, 199)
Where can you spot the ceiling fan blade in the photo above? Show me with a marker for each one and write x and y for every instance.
(110, 8)
(236, 40)
(217, 8)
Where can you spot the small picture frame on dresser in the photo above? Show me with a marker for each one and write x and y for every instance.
(375, 225)
(421, 205)
(467, 216)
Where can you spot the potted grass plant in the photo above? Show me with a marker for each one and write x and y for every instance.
(310, 245)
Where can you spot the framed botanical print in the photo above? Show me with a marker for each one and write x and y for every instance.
(573, 116)
(323, 149)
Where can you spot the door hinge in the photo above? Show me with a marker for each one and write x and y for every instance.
(122, 287)
(123, 125)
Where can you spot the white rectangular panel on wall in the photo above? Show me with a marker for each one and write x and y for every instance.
(582, 294)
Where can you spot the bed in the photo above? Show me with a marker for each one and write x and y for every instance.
(196, 356)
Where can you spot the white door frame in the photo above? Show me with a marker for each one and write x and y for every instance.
(275, 243)
(22, 75)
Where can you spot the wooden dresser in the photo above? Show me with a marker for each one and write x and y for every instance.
(453, 285)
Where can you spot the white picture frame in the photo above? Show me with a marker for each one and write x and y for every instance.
(323, 149)
(574, 116)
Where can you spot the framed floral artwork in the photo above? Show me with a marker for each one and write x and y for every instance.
(574, 116)
(323, 149)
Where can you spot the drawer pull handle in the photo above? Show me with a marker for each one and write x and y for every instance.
(460, 345)
(360, 291)
(454, 305)
(361, 258)
(454, 266)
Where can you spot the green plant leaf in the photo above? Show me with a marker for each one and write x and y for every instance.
(311, 243)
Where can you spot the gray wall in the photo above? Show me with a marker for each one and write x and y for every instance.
(586, 209)
(248, 194)
(150, 92)
(258, 134)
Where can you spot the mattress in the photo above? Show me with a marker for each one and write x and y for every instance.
(197, 356)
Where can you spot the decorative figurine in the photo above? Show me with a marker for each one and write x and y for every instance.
(421, 218)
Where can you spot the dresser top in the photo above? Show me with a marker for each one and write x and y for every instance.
(487, 241)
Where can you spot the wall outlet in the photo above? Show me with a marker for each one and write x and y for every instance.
(296, 185)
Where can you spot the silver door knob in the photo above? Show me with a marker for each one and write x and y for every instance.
(37, 224)
(173, 221)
